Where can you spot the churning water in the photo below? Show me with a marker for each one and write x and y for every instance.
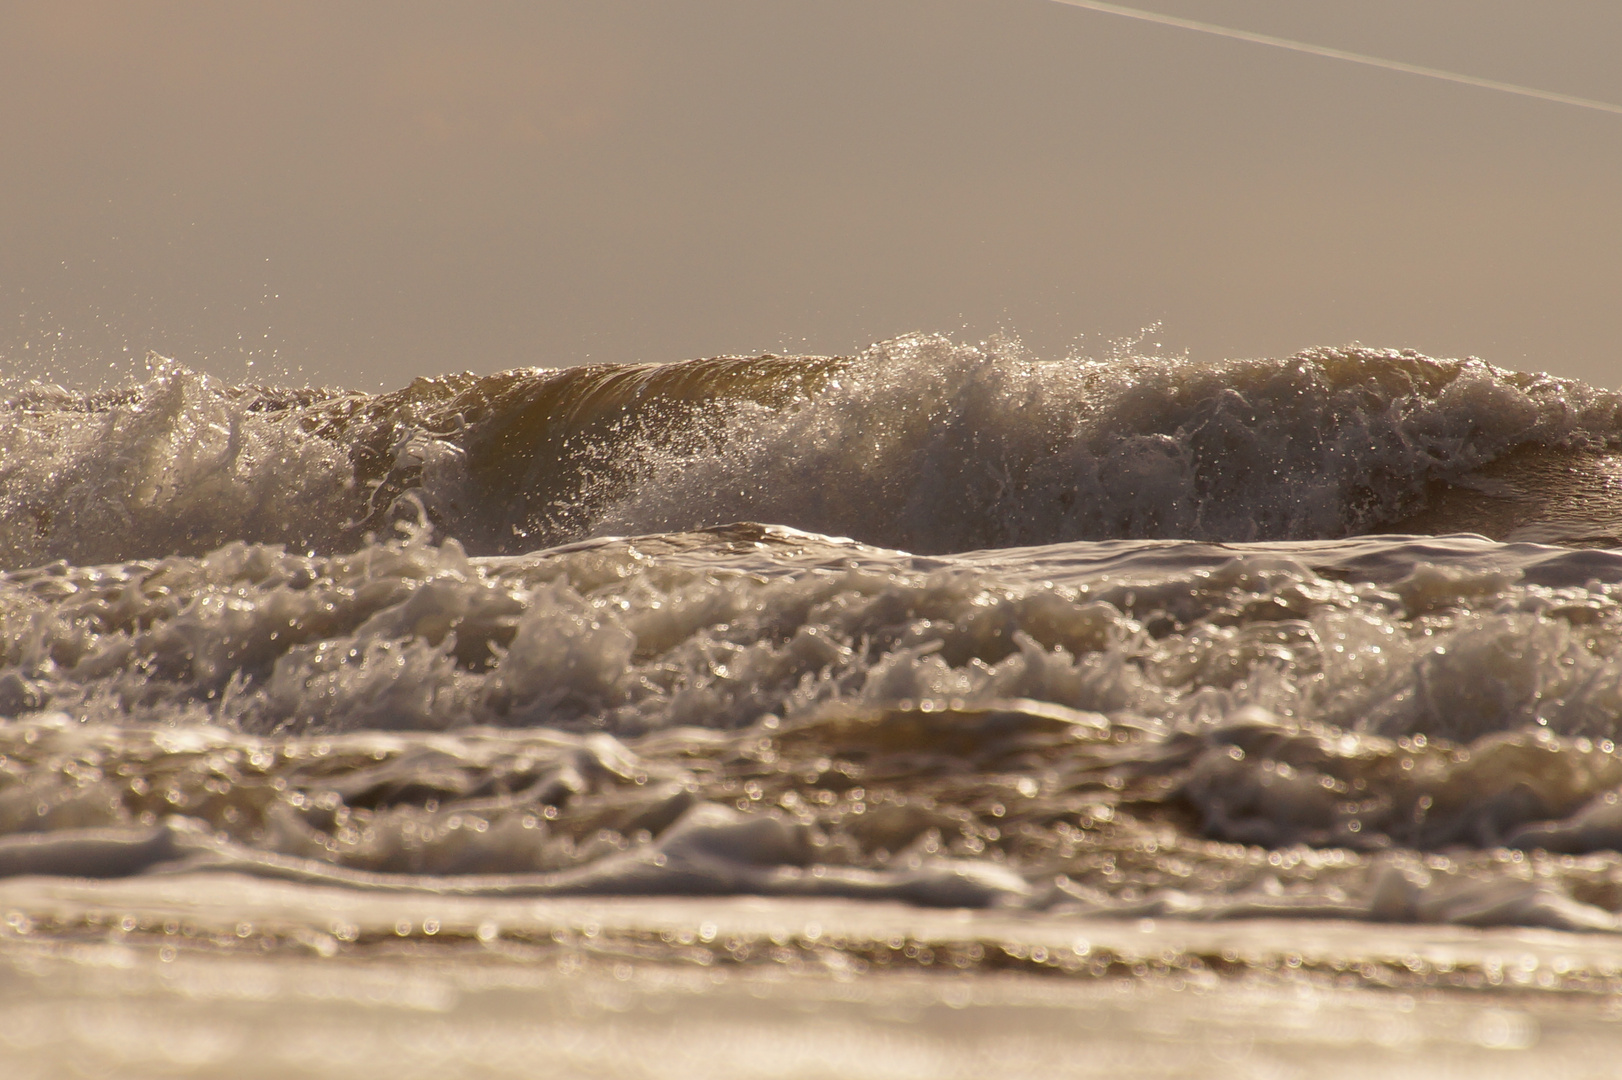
(1331, 637)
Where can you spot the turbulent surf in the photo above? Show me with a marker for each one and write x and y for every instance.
(1334, 636)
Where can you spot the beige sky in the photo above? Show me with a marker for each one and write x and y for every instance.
(361, 193)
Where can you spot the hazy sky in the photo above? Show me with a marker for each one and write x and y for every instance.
(363, 192)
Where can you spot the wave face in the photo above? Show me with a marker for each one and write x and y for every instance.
(918, 444)
(1119, 637)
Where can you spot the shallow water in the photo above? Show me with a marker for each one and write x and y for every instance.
(217, 975)
(412, 1018)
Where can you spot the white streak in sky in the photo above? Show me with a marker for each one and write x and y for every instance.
(1341, 54)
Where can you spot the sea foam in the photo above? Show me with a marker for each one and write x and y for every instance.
(918, 443)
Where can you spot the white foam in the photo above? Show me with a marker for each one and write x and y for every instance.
(178, 464)
(919, 443)
(931, 446)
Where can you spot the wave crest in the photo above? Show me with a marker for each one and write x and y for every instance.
(918, 443)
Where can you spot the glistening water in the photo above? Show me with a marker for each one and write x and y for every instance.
(1335, 640)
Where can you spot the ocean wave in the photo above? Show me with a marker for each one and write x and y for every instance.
(918, 443)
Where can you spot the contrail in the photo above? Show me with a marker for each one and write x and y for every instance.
(1341, 54)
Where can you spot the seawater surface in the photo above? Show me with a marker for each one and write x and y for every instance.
(1331, 637)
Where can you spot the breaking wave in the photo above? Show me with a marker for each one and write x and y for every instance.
(918, 443)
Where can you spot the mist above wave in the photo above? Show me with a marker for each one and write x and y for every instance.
(918, 443)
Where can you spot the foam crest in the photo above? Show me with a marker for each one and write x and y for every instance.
(931, 446)
(919, 443)
(178, 464)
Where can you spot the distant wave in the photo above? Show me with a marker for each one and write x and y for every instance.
(918, 443)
